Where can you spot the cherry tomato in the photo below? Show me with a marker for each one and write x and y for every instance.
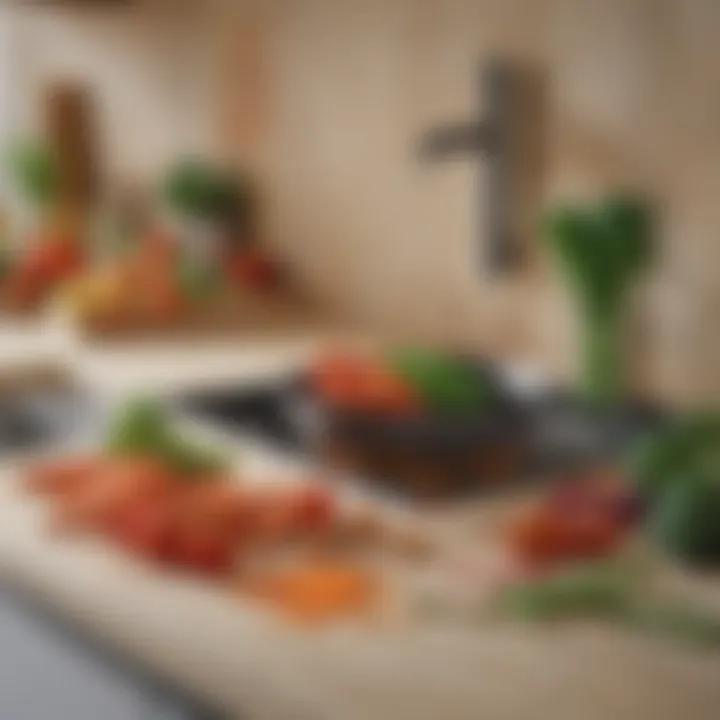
(219, 504)
(145, 528)
(202, 548)
(253, 269)
(313, 508)
(382, 390)
(546, 535)
(59, 477)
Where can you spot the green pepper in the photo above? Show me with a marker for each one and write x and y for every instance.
(445, 384)
(687, 444)
(686, 517)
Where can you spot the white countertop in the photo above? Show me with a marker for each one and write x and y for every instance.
(247, 662)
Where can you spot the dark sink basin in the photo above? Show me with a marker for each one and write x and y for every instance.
(563, 435)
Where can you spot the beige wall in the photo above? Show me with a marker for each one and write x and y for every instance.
(325, 98)
(633, 97)
(145, 61)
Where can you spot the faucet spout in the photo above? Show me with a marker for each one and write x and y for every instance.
(455, 140)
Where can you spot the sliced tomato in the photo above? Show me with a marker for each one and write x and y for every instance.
(202, 549)
(145, 528)
(312, 508)
(544, 535)
(363, 383)
(63, 476)
(219, 504)
(382, 390)
(254, 269)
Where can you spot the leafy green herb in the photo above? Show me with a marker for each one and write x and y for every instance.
(34, 171)
(611, 591)
(689, 443)
(444, 383)
(598, 590)
(686, 517)
(191, 460)
(142, 428)
(677, 471)
(197, 189)
(602, 249)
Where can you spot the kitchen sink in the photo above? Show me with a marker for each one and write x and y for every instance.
(564, 435)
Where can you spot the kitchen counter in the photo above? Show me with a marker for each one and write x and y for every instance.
(247, 663)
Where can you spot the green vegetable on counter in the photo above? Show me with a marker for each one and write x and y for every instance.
(602, 249)
(142, 428)
(686, 518)
(611, 591)
(195, 188)
(444, 383)
(677, 472)
(597, 589)
(687, 443)
(33, 169)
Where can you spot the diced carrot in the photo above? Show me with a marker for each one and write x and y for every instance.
(318, 590)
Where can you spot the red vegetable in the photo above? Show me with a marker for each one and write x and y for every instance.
(312, 508)
(253, 269)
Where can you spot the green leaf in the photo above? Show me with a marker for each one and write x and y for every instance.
(444, 383)
(198, 189)
(686, 517)
(191, 460)
(626, 222)
(602, 249)
(595, 589)
(140, 427)
(689, 444)
(34, 170)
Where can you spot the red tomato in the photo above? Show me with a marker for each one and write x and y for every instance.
(219, 504)
(59, 477)
(361, 383)
(283, 514)
(313, 508)
(253, 269)
(336, 376)
(145, 528)
(202, 548)
(545, 535)
(23, 288)
(54, 259)
(384, 391)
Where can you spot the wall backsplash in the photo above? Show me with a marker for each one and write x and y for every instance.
(325, 98)
(145, 61)
(633, 100)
